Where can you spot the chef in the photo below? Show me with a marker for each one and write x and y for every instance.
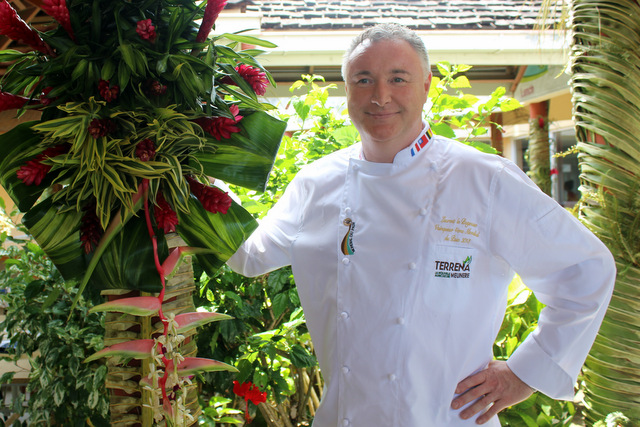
(403, 247)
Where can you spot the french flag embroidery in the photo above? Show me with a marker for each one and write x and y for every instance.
(422, 142)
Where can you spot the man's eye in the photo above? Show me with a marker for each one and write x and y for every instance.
(398, 80)
(364, 81)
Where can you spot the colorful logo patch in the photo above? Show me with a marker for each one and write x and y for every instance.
(454, 270)
(347, 241)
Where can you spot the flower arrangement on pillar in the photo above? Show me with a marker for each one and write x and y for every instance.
(141, 111)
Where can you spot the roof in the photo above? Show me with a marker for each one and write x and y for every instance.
(415, 14)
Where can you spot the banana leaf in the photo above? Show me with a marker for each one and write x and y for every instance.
(222, 234)
(247, 157)
(16, 148)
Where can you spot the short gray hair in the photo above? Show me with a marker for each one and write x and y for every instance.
(388, 32)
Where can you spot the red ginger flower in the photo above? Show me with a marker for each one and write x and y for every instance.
(101, 127)
(146, 150)
(166, 218)
(90, 229)
(109, 93)
(12, 26)
(211, 12)
(34, 171)
(221, 127)
(57, 9)
(213, 199)
(146, 30)
(155, 88)
(250, 392)
(255, 77)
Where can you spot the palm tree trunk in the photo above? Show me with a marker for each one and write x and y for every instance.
(538, 151)
(606, 99)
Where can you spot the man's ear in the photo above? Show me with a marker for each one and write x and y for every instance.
(427, 82)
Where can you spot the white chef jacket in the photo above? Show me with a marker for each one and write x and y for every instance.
(403, 268)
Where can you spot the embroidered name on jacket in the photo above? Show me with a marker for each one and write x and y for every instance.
(454, 270)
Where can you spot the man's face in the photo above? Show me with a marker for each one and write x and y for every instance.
(386, 91)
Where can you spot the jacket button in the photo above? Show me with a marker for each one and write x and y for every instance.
(412, 266)
(346, 422)
(345, 369)
(392, 377)
(344, 315)
(400, 320)
(423, 211)
(347, 211)
(345, 261)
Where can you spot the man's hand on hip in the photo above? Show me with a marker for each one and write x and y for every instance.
(495, 387)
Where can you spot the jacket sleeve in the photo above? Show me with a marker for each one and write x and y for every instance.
(269, 246)
(568, 269)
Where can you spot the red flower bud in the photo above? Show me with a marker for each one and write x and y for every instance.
(12, 26)
(109, 93)
(146, 150)
(10, 101)
(101, 127)
(211, 12)
(90, 229)
(146, 30)
(221, 127)
(34, 171)
(213, 199)
(57, 9)
(166, 218)
(255, 77)
(154, 88)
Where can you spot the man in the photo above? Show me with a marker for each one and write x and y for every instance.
(403, 248)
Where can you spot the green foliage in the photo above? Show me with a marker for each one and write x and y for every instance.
(463, 111)
(39, 325)
(521, 318)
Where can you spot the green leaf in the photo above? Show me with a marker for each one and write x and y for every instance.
(16, 147)
(248, 40)
(301, 358)
(247, 157)
(443, 129)
(280, 303)
(221, 233)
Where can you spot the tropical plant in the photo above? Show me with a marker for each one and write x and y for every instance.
(139, 110)
(39, 324)
(538, 154)
(606, 96)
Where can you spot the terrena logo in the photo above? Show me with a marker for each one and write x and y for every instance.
(454, 270)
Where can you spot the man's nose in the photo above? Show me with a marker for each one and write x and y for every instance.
(381, 94)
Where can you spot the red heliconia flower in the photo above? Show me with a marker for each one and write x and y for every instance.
(166, 218)
(145, 150)
(541, 122)
(34, 171)
(57, 9)
(250, 392)
(12, 26)
(213, 199)
(255, 77)
(221, 127)
(211, 12)
(101, 127)
(155, 88)
(90, 229)
(109, 93)
(146, 30)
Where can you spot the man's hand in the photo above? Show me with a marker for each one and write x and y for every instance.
(497, 387)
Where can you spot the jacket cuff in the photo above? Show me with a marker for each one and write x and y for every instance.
(534, 367)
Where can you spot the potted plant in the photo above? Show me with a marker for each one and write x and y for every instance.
(141, 112)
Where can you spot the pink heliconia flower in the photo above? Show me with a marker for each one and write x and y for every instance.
(58, 10)
(146, 30)
(12, 26)
(211, 12)
(221, 127)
